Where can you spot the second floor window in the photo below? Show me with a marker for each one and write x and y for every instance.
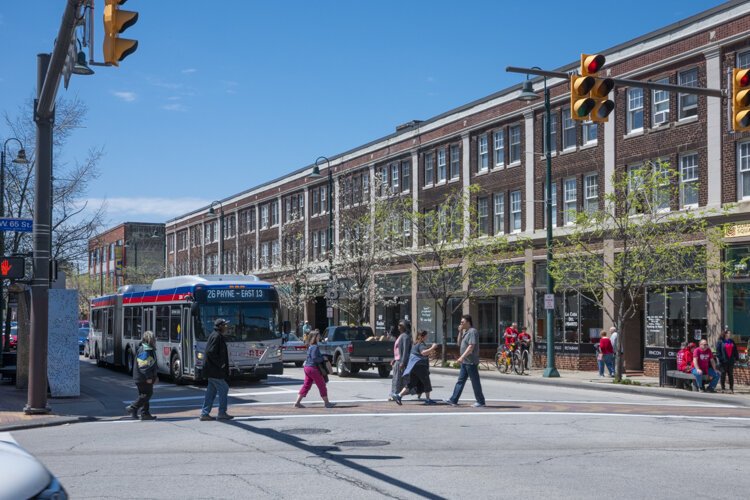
(429, 169)
(689, 180)
(405, 176)
(552, 132)
(570, 200)
(441, 165)
(499, 213)
(274, 212)
(516, 213)
(635, 110)
(395, 178)
(483, 162)
(553, 197)
(455, 162)
(515, 144)
(688, 103)
(264, 216)
(743, 171)
(569, 130)
(482, 217)
(499, 141)
(590, 130)
(591, 193)
(660, 105)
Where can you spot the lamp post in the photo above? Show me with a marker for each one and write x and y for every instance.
(20, 159)
(527, 95)
(316, 175)
(212, 213)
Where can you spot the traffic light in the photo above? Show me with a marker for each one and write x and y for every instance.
(741, 100)
(589, 93)
(115, 22)
(12, 268)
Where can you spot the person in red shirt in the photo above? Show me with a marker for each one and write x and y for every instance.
(685, 358)
(704, 362)
(607, 355)
(524, 339)
(510, 335)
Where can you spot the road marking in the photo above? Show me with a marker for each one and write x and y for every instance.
(231, 395)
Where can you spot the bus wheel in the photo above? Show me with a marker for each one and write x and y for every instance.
(175, 367)
(130, 361)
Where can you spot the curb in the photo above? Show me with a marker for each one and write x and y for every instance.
(50, 422)
(628, 389)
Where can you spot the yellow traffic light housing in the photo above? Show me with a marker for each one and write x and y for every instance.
(600, 94)
(741, 100)
(115, 22)
(589, 94)
(581, 104)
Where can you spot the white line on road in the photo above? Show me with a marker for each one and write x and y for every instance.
(231, 395)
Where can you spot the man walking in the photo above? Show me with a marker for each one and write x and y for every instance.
(216, 371)
(469, 360)
(401, 350)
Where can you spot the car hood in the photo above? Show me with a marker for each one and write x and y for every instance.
(25, 477)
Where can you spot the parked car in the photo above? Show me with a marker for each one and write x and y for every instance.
(293, 350)
(23, 476)
(83, 340)
(355, 348)
(13, 341)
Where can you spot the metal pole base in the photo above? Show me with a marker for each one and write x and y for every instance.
(551, 372)
(36, 411)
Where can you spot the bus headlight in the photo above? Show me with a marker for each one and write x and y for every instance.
(278, 352)
(199, 355)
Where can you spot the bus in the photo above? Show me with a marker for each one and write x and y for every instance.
(181, 311)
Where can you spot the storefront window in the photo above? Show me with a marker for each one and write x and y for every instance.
(697, 314)
(737, 310)
(592, 319)
(655, 310)
(675, 314)
(570, 319)
(485, 320)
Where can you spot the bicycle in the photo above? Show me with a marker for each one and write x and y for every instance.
(520, 361)
(504, 359)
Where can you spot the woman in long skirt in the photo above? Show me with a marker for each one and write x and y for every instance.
(418, 369)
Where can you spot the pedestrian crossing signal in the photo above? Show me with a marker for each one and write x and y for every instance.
(12, 268)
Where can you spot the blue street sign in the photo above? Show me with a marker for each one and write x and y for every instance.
(20, 225)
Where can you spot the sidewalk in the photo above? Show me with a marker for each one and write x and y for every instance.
(63, 410)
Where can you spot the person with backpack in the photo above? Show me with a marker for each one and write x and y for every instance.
(144, 375)
(727, 355)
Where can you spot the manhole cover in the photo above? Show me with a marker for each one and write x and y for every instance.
(363, 443)
(306, 430)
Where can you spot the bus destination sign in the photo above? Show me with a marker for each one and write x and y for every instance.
(237, 294)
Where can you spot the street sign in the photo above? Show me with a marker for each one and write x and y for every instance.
(329, 312)
(12, 268)
(332, 294)
(20, 225)
(549, 300)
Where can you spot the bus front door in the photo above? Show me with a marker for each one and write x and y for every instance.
(188, 343)
(108, 335)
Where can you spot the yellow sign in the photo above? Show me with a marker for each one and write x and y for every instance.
(737, 230)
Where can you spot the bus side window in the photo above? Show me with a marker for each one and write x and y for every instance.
(162, 323)
(174, 324)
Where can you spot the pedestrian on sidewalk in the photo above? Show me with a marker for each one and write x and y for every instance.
(417, 373)
(606, 355)
(469, 360)
(313, 367)
(401, 349)
(144, 375)
(613, 335)
(685, 357)
(704, 363)
(726, 352)
(216, 371)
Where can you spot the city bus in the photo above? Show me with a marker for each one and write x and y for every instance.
(181, 311)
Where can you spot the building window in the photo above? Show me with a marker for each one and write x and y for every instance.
(553, 197)
(552, 132)
(275, 253)
(743, 164)
(515, 211)
(688, 103)
(264, 216)
(429, 169)
(743, 60)
(660, 105)
(441, 165)
(689, 180)
(323, 194)
(483, 162)
(394, 178)
(590, 131)
(499, 144)
(274, 212)
(662, 193)
(455, 162)
(315, 202)
(366, 187)
(499, 213)
(405, 176)
(210, 232)
(635, 109)
(515, 144)
(483, 218)
(569, 130)
(265, 258)
(570, 200)
(591, 193)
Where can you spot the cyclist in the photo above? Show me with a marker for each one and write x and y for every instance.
(511, 335)
(524, 340)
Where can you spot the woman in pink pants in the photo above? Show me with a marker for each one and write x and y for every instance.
(312, 372)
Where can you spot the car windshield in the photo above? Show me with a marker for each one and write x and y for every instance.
(247, 322)
(290, 337)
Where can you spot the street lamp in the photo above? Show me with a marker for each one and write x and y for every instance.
(527, 95)
(21, 160)
(211, 214)
(315, 174)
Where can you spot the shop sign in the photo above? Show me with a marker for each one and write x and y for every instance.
(654, 352)
(737, 230)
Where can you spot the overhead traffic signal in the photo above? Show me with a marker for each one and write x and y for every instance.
(741, 100)
(589, 94)
(115, 22)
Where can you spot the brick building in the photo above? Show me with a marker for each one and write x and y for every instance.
(497, 143)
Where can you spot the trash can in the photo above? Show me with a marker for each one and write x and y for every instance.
(664, 365)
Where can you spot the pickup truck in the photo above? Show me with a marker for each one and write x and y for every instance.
(354, 348)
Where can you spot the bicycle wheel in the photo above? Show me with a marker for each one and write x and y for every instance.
(517, 362)
(525, 359)
(503, 362)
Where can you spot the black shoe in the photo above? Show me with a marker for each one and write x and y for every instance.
(147, 416)
(131, 412)
(207, 418)
(397, 399)
(710, 389)
(224, 416)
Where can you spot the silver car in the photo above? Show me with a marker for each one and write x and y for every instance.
(293, 349)
(26, 477)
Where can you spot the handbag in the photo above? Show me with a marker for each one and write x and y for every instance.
(323, 369)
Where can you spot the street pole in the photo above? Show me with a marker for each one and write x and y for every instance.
(330, 230)
(5, 334)
(550, 370)
(221, 239)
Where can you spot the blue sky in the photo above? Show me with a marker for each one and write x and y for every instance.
(222, 96)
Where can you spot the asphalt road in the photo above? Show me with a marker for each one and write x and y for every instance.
(531, 442)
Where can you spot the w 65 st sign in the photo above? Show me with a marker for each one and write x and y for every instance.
(12, 268)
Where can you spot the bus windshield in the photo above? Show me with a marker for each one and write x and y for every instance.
(248, 322)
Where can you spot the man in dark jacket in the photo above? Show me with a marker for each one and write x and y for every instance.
(726, 353)
(216, 371)
(144, 375)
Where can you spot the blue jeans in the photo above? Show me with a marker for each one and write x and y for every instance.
(609, 360)
(468, 371)
(215, 386)
(699, 378)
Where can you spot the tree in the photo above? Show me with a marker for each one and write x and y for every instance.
(455, 259)
(73, 221)
(647, 243)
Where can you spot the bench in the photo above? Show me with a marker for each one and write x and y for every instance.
(681, 379)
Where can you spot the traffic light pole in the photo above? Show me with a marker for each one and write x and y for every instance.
(550, 370)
